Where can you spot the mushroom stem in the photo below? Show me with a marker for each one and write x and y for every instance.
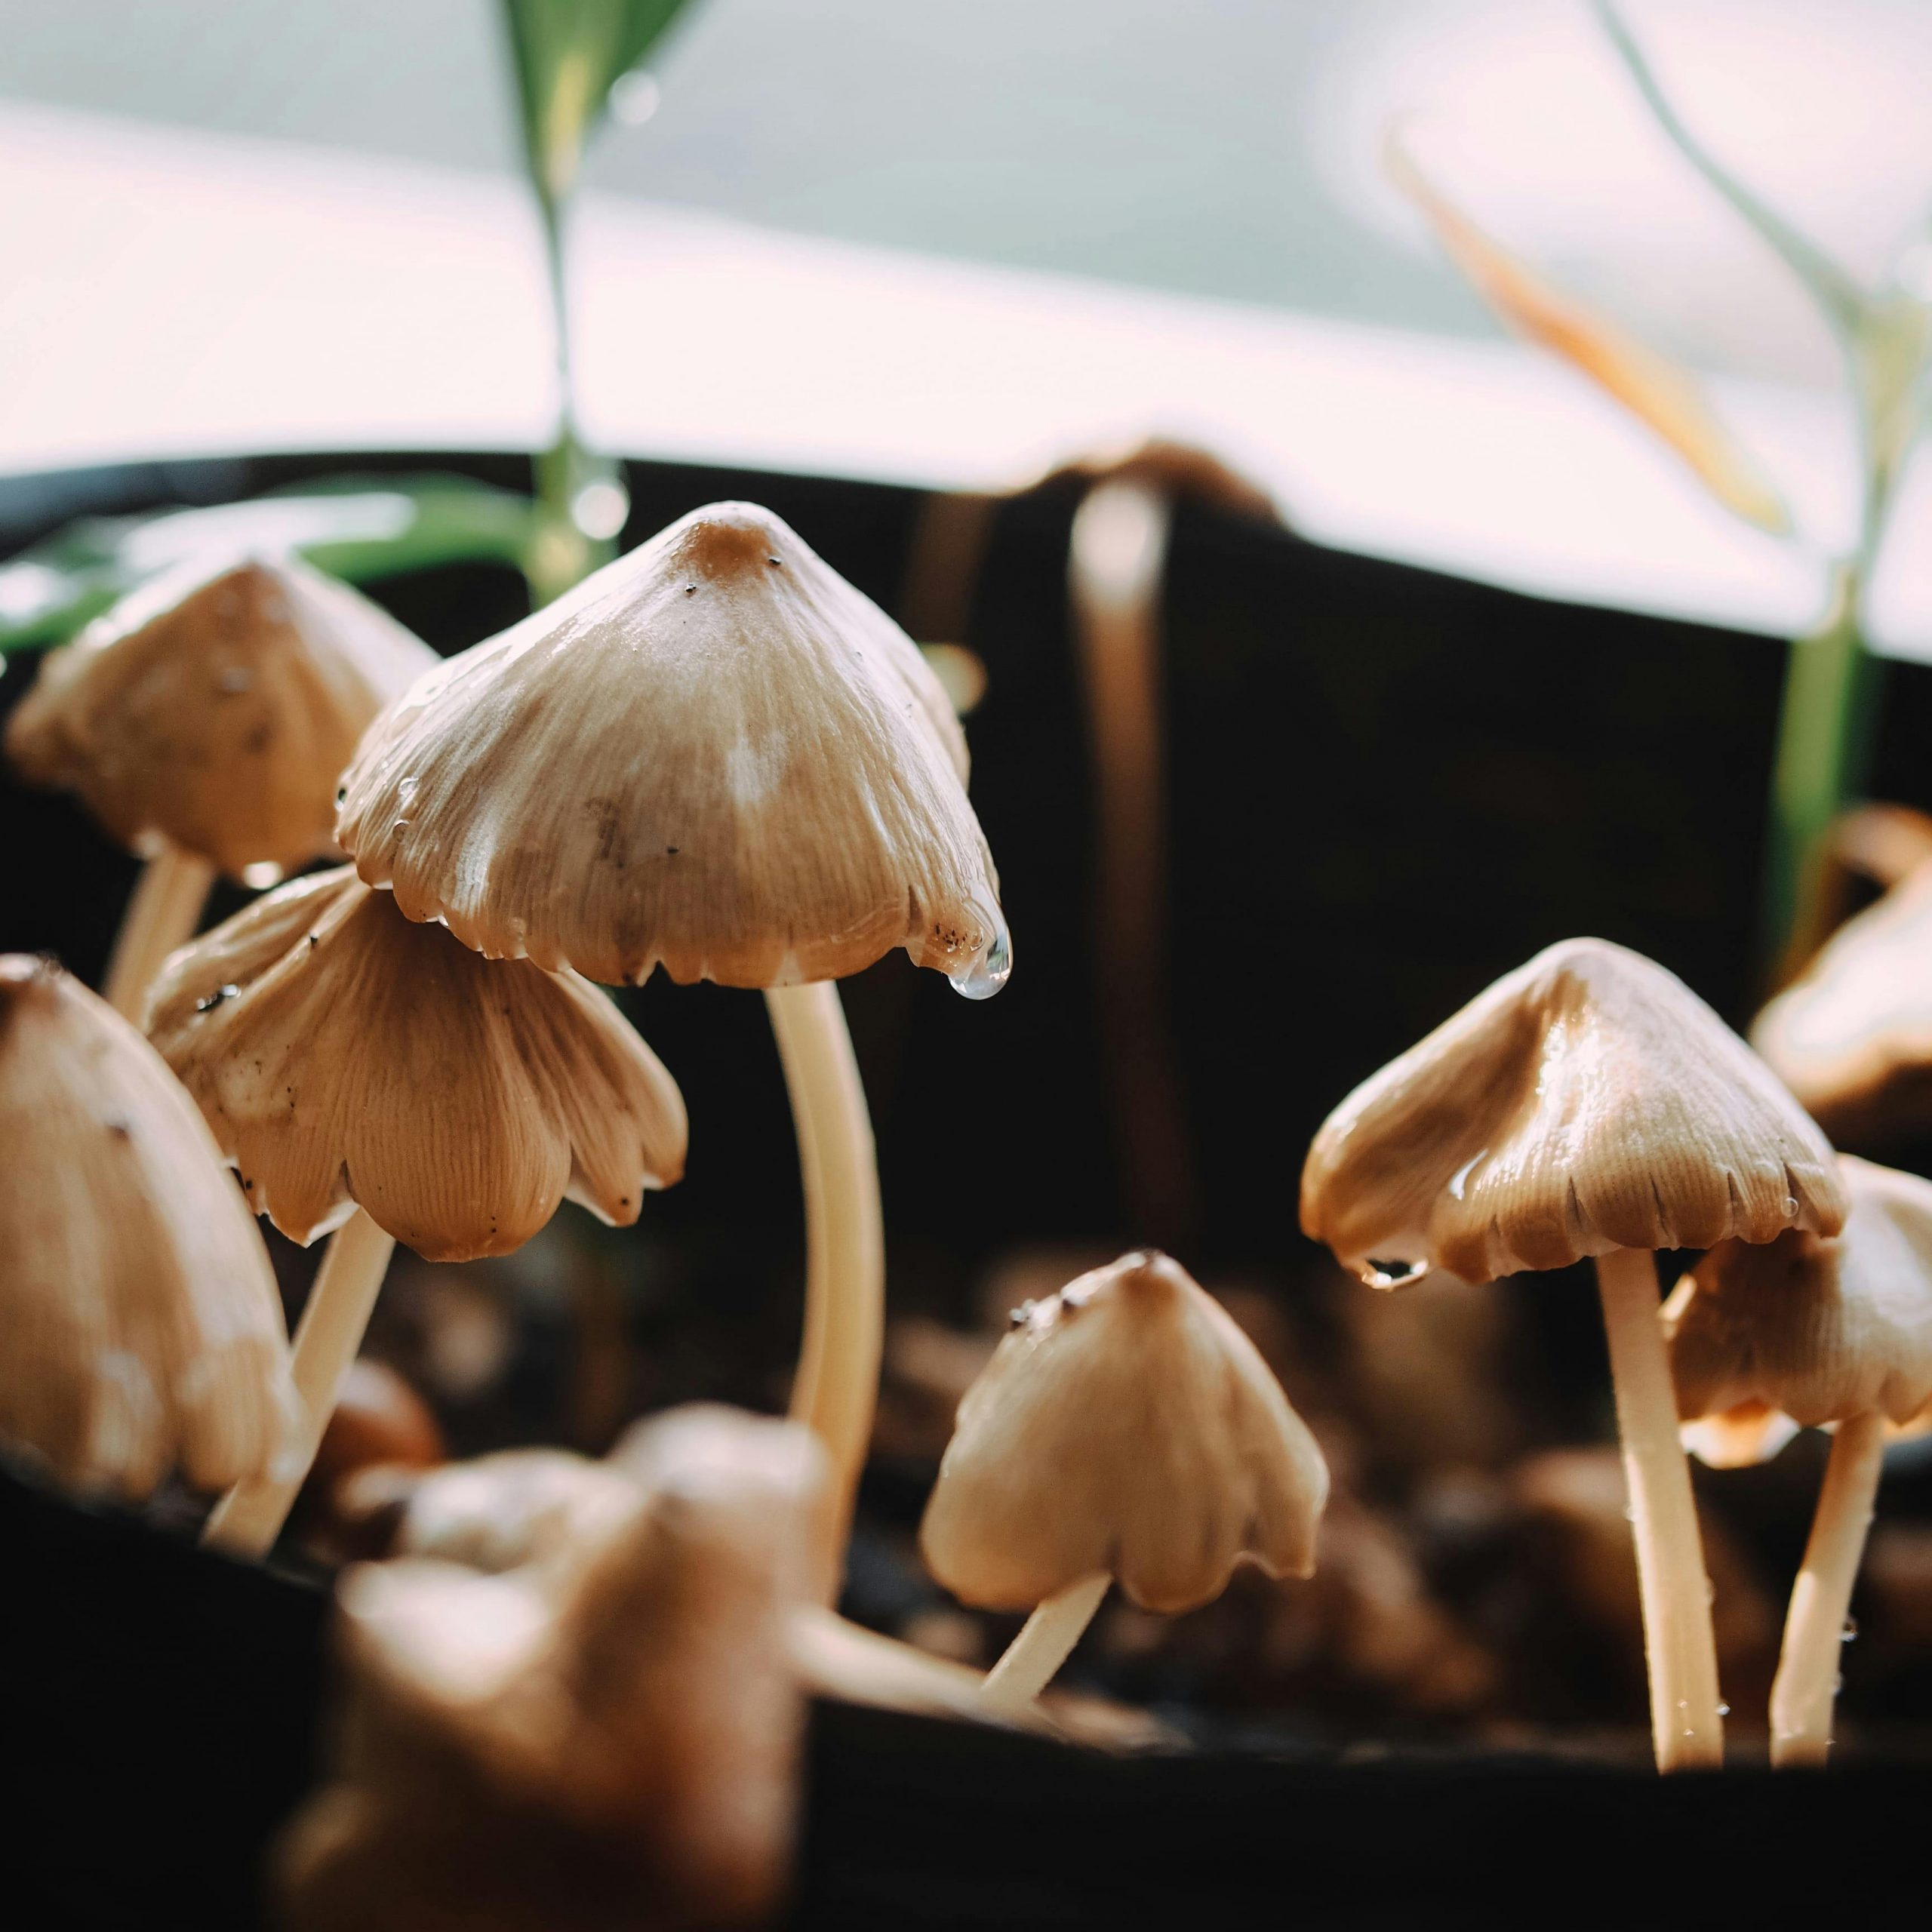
(1687, 1726)
(247, 1520)
(1807, 1684)
(837, 1385)
(163, 914)
(1044, 1643)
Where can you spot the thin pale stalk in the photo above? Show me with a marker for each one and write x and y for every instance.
(837, 1385)
(247, 1520)
(1686, 1725)
(1117, 562)
(1807, 1684)
(1045, 1642)
(163, 913)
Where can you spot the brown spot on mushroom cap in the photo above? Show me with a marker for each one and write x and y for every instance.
(551, 1745)
(360, 1059)
(126, 715)
(1816, 1329)
(1127, 1424)
(779, 733)
(1589, 1100)
(142, 1326)
(1852, 1036)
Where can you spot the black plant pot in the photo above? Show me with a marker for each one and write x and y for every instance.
(161, 1709)
(1387, 788)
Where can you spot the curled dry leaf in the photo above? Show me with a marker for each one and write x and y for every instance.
(1127, 1424)
(143, 1329)
(345, 1057)
(1852, 1037)
(714, 754)
(1587, 1101)
(217, 710)
(609, 1740)
(1816, 1331)
(1659, 392)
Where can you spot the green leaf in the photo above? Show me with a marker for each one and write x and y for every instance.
(361, 529)
(568, 54)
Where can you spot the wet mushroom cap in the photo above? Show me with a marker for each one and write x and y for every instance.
(217, 709)
(714, 754)
(1812, 1330)
(1587, 1101)
(143, 1329)
(1126, 1425)
(346, 1056)
(1852, 1037)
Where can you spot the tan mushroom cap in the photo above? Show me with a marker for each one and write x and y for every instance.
(144, 1329)
(1127, 1424)
(715, 754)
(216, 709)
(344, 1057)
(1587, 1101)
(609, 1740)
(1813, 1330)
(1852, 1037)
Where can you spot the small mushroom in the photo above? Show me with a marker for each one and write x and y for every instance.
(716, 756)
(1818, 1333)
(1588, 1104)
(348, 1060)
(143, 1329)
(1852, 1036)
(610, 1739)
(205, 719)
(1125, 1430)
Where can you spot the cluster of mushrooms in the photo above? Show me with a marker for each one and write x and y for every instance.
(716, 757)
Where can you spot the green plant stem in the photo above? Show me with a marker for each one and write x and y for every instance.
(1824, 729)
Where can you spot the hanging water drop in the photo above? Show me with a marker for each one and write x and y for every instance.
(1377, 1274)
(987, 968)
(1723, 1710)
(1849, 1634)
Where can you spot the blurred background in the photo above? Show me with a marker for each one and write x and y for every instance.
(1454, 659)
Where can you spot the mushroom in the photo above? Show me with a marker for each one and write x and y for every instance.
(372, 1076)
(1126, 1430)
(204, 719)
(611, 1739)
(1588, 1104)
(1815, 1332)
(143, 1329)
(1852, 1036)
(716, 756)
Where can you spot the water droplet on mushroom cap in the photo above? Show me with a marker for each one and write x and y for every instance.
(988, 967)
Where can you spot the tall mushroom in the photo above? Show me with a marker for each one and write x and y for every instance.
(371, 1076)
(716, 756)
(205, 719)
(1125, 1430)
(143, 1328)
(1588, 1105)
(1818, 1332)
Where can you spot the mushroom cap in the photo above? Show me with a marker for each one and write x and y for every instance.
(713, 755)
(142, 1326)
(1816, 1331)
(1126, 1425)
(1587, 1101)
(344, 1057)
(517, 1508)
(216, 710)
(1852, 1036)
(615, 1733)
